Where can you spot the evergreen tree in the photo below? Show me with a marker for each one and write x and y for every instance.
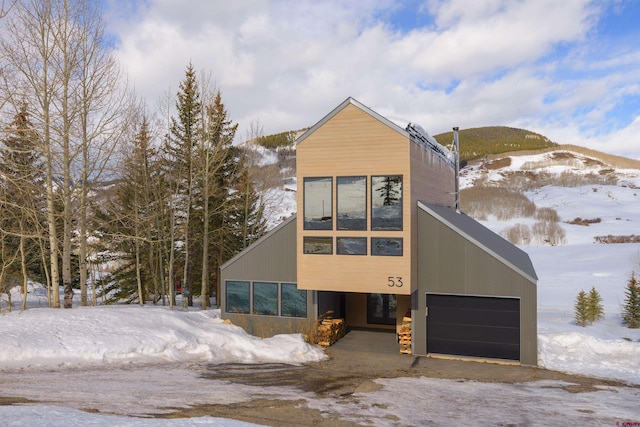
(594, 304)
(250, 210)
(581, 309)
(180, 150)
(21, 197)
(132, 224)
(631, 308)
(221, 180)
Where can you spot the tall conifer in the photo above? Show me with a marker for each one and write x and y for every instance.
(631, 308)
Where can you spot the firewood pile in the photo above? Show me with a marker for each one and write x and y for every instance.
(329, 331)
(404, 336)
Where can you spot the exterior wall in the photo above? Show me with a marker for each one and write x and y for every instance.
(354, 143)
(450, 264)
(432, 180)
(270, 259)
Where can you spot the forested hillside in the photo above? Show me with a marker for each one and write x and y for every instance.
(478, 142)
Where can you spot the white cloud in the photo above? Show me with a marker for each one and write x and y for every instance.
(285, 64)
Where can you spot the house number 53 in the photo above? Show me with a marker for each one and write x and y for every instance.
(394, 281)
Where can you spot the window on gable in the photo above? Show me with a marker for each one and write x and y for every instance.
(318, 245)
(386, 246)
(386, 202)
(351, 245)
(318, 206)
(351, 203)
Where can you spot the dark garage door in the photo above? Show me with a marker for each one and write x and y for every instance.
(473, 326)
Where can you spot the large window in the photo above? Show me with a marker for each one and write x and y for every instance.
(351, 245)
(265, 298)
(237, 297)
(318, 245)
(351, 209)
(386, 202)
(294, 301)
(318, 205)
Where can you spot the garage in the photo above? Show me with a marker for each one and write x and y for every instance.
(487, 327)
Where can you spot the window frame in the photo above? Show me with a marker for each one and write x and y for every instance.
(307, 225)
(283, 299)
(400, 204)
(249, 296)
(364, 207)
(275, 300)
(304, 245)
(376, 253)
(338, 238)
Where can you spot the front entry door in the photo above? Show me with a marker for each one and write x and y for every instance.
(381, 309)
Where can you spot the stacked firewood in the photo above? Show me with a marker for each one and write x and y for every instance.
(329, 331)
(404, 336)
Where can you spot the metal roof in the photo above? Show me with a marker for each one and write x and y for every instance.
(484, 238)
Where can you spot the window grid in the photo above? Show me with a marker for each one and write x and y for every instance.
(241, 298)
(382, 211)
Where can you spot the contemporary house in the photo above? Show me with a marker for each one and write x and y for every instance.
(378, 239)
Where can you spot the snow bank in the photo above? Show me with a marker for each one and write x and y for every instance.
(130, 334)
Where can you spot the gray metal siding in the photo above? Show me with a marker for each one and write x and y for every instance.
(270, 259)
(448, 263)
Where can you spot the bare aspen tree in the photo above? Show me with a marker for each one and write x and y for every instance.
(28, 47)
(103, 108)
(57, 60)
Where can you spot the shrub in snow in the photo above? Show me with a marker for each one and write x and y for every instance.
(631, 308)
(594, 306)
(582, 309)
(588, 307)
(518, 234)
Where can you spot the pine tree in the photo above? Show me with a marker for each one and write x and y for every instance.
(594, 305)
(132, 223)
(21, 198)
(180, 152)
(582, 309)
(631, 308)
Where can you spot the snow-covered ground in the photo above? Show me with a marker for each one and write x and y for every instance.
(40, 339)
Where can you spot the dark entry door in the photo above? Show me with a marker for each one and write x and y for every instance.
(381, 309)
(473, 326)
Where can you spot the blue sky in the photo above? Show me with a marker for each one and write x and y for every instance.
(567, 69)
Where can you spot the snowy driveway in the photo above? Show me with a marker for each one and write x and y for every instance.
(415, 392)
